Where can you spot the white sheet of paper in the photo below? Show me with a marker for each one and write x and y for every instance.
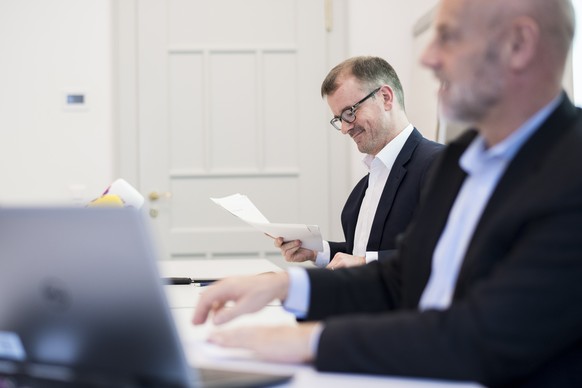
(242, 207)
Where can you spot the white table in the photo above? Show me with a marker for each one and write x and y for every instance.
(215, 268)
(183, 299)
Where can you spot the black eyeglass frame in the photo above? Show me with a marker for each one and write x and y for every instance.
(351, 110)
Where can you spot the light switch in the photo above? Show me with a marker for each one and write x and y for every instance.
(74, 101)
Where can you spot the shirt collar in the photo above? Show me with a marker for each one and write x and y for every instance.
(389, 153)
(477, 154)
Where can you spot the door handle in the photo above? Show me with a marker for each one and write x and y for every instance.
(155, 196)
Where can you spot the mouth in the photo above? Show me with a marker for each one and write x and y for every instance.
(355, 132)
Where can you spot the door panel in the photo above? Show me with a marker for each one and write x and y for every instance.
(228, 101)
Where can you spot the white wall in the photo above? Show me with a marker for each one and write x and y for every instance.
(384, 28)
(48, 154)
(50, 47)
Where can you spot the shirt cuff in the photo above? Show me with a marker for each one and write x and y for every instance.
(297, 301)
(322, 258)
(314, 339)
(371, 256)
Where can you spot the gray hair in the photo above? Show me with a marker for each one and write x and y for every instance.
(370, 71)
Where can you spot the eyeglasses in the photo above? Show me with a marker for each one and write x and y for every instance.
(349, 115)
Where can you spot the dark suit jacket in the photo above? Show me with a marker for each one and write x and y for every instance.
(516, 314)
(399, 198)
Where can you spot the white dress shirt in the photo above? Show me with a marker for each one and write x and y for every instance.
(379, 168)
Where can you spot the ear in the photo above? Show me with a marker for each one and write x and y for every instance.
(523, 43)
(388, 94)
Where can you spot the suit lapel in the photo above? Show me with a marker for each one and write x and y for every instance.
(436, 202)
(352, 210)
(521, 168)
(393, 182)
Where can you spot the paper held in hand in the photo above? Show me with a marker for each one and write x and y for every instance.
(242, 207)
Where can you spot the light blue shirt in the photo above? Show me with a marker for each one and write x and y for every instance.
(484, 167)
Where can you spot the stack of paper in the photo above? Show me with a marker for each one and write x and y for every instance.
(242, 207)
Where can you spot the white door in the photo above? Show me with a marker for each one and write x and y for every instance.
(228, 101)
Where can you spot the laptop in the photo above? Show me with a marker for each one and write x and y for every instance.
(82, 304)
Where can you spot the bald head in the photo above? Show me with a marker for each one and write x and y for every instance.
(555, 19)
(499, 61)
(557, 22)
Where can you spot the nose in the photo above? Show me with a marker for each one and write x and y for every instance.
(429, 57)
(346, 127)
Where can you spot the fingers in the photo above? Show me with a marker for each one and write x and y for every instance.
(215, 297)
(278, 242)
(249, 294)
(292, 251)
(336, 262)
(333, 266)
(290, 246)
(243, 306)
(287, 248)
(272, 343)
(217, 307)
(342, 260)
(220, 313)
(231, 338)
(223, 315)
(285, 245)
(208, 303)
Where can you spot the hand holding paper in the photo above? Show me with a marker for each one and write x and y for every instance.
(242, 207)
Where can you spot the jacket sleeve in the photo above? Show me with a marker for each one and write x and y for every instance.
(515, 312)
(507, 324)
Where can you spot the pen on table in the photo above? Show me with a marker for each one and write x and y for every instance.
(175, 280)
(185, 280)
(201, 283)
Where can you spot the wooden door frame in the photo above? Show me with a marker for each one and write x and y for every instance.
(126, 88)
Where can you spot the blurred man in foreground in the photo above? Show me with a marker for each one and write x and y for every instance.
(486, 282)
